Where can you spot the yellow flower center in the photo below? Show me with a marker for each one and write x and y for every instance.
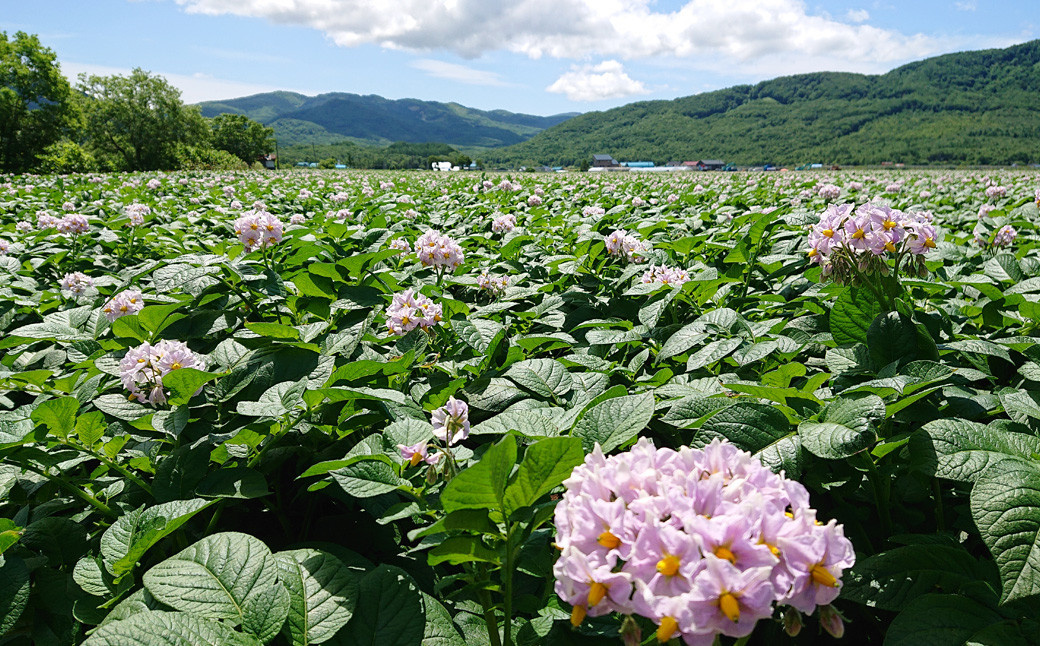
(596, 593)
(253, 226)
(723, 553)
(608, 540)
(859, 235)
(828, 232)
(669, 565)
(415, 459)
(577, 615)
(889, 225)
(928, 242)
(823, 576)
(890, 247)
(669, 626)
(175, 365)
(729, 606)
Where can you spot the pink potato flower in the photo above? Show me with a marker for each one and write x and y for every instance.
(451, 422)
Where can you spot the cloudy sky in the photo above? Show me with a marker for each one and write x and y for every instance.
(533, 56)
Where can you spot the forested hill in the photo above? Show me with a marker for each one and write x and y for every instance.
(980, 107)
(323, 119)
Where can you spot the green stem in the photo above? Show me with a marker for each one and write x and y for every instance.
(123, 471)
(489, 611)
(507, 587)
(274, 437)
(104, 509)
(881, 493)
(940, 515)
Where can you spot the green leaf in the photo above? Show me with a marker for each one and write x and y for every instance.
(462, 549)
(1005, 504)
(614, 422)
(546, 464)
(58, 415)
(233, 482)
(895, 337)
(714, 351)
(853, 312)
(14, 592)
(761, 429)
(546, 377)
(120, 407)
(90, 427)
(274, 330)
(439, 629)
(154, 317)
(164, 628)
(389, 611)
(892, 579)
(483, 485)
(183, 383)
(939, 620)
(525, 422)
(323, 593)
(224, 576)
(9, 534)
(128, 327)
(126, 541)
(367, 477)
(958, 449)
(682, 340)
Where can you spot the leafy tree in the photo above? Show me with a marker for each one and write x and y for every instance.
(137, 122)
(36, 109)
(241, 136)
(66, 157)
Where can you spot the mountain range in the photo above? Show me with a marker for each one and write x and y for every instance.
(977, 107)
(374, 120)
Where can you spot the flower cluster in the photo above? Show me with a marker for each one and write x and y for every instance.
(666, 275)
(436, 250)
(143, 368)
(76, 283)
(848, 239)
(828, 192)
(995, 191)
(400, 244)
(492, 283)
(1005, 236)
(258, 229)
(701, 542)
(626, 246)
(137, 213)
(503, 223)
(123, 303)
(73, 224)
(408, 311)
(5, 246)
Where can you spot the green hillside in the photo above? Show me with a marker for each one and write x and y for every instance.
(977, 107)
(335, 117)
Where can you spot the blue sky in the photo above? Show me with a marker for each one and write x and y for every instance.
(532, 56)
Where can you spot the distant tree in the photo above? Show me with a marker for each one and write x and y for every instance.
(36, 108)
(138, 122)
(584, 165)
(66, 157)
(328, 162)
(241, 136)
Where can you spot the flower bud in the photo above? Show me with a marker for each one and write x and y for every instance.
(631, 633)
(831, 621)
(792, 621)
(431, 474)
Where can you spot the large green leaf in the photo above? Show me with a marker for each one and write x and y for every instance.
(483, 485)
(853, 312)
(892, 579)
(183, 383)
(229, 576)
(58, 415)
(439, 630)
(546, 464)
(761, 429)
(940, 620)
(14, 592)
(546, 377)
(615, 421)
(368, 476)
(682, 340)
(389, 611)
(126, 541)
(322, 594)
(163, 628)
(1005, 503)
(959, 449)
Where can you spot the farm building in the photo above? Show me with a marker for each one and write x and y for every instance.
(604, 161)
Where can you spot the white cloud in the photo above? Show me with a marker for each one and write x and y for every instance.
(194, 87)
(458, 73)
(965, 5)
(741, 30)
(607, 80)
(858, 15)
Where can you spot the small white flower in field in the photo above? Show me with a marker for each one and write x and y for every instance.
(451, 421)
(5, 246)
(68, 206)
(492, 283)
(534, 200)
(23, 226)
(143, 368)
(828, 192)
(503, 222)
(665, 275)
(1005, 236)
(137, 212)
(593, 211)
(985, 210)
(297, 218)
(994, 192)
(76, 283)
(153, 184)
(408, 311)
(436, 250)
(626, 247)
(258, 229)
(411, 214)
(73, 224)
(400, 244)
(122, 304)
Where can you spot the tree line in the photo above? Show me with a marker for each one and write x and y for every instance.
(121, 123)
